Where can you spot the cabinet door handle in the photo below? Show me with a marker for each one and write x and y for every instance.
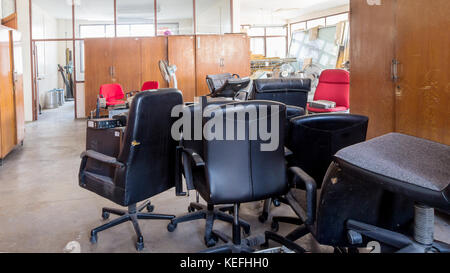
(111, 71)
(394, 70)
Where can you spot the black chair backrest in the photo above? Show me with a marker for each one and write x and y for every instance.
(238, 170)
(291, 91)
(315, 139)
(149, 150)
(216, 82)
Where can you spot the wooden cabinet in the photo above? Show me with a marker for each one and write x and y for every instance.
(399, 67)
(217, 54)
(11, 93)
(132, 61)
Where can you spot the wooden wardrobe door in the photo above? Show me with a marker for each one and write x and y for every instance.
(127, 63)
(423, 88)
(209, 52)
(181, 52)
(152, 51)
(7, 113)
(236, 54)
(98, 69)
(372, 49)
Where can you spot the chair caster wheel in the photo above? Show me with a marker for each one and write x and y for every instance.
(105, 215)
(93, 239)
(171, 227)
(276, 203)
(275, 226)
(191, 209)
(139, 246)
(211, 242)
(150, 208)
(263, 218)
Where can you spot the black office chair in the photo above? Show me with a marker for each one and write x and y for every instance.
(313, 140)
(146, 164)
(292, 91)
(356, 204)
(228, 85)
(238, 171)
(197, 210)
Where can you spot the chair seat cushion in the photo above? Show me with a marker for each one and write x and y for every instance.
(330, 110)
(415, 167)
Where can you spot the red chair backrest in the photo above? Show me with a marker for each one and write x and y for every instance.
(334, 85)
(150, 85)
(112, 92)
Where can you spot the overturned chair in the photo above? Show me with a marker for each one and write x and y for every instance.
(228, 85)
(377, 191)
(145, 166)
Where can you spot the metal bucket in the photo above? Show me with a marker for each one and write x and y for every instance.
(51, 99)
(61, 99)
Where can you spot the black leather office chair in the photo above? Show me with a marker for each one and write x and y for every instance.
(197, 210)
(290, 91)
(313, 140)
(228, 85)
(353, 209)
(237, 171)
(146, 164)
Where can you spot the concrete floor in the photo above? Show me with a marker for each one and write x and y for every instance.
(42, 208)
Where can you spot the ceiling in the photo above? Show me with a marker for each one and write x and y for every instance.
(268, 11)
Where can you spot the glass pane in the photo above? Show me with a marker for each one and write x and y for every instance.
(99, 13)
(276, 47)
(7, 8)
(257, 46)
(315, 23)
(256, 31)
(213, 16)
(175, 17)
(298, 26)
(136, 18)
(52, 19)
(333, 20)
(50, 56)
(276, 31)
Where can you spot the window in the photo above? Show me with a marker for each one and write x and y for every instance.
(94, 19)
(135, 18)
(298, 26)
(333, 20)
(315, 23)
(52, 19)
(175, 17)
(270, 41)
(213, 16)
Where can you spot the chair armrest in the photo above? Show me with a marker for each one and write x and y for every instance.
(102, 158)
(236, 76)
(302, 178)
(196, 158)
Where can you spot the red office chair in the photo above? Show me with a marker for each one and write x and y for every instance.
(334, 85)
(150, 85)
(113, 94)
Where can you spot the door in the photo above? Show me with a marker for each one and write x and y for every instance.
(423, 88)
(127, 60)
(153, 50)
(7, 113)
(98, 69)
(372, 49)
(181, 52)
(209, 60)
(16, 47)
(236, 54)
